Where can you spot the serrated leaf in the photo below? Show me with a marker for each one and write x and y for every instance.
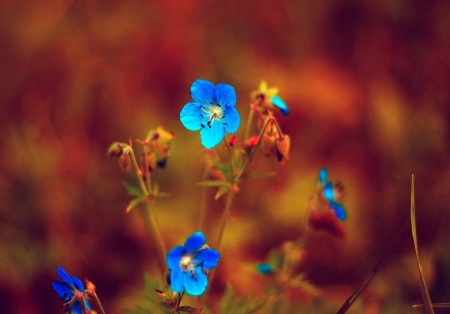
(213, 183)
(423, 287)
(134, 202)
(132, 189)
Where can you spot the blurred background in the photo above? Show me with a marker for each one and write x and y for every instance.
(367, 84)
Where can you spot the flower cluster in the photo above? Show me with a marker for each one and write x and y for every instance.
(188, 265)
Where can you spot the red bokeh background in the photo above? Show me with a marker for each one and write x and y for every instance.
(367, 84)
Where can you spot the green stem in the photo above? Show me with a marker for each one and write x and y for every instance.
(202, 212)
(150, 218)
(225, 216)
(147, 171)
(230, 160)
(249, 122)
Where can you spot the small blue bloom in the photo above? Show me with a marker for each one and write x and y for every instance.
(265, 269)
(280, 104)
(71, 290)
(212, 111)
(187, 265)
(329, 192)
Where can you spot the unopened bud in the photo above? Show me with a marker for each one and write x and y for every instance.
(89, 285)
(115, 150)
(282, 145)
(125, 162)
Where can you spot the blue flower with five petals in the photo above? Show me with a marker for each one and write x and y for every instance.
(187, 265)
(72, 292)
(212, 111)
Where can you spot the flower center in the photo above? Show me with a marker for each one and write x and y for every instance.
(185, 262)
(213, 111)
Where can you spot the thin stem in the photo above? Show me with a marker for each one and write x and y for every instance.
(179, 299)
(230, 160)
(147, 170)
(225, 216)
(98, 302)
(150, 218)
(202, 211)
(247, 162)
(249, 122)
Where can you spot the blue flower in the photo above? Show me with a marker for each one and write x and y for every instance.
(187, 265)
(332, 193)
(72, 292)
(212, 111)
(265, 269)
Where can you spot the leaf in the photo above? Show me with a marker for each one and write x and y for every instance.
(221, 192)
(187, 308)
(133, 203)
(231, 304)
(213, 183)
(132, 189)
(423, 287)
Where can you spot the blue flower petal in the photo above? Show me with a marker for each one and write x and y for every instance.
(191, 117)
(323, 174)
(339, 210)
(64, 276)
(88, 306)
(64, 290)
(195, 285)
(328, 192)
(174, 256)
(207, 258)
(194, 242)
(77, 308)
(78, 284)
(202, 92)
(225, 95)
(265, 269)
(232, 120)
(279, 103)
(213, 134)
(177, 279)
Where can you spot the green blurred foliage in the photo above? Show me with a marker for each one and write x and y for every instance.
(367, 83)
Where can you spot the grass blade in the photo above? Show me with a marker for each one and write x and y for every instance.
(423, 287)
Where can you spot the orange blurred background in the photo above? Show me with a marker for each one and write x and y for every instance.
(367, 84)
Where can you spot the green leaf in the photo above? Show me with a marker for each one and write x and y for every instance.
(221, 192)
(134, 202)
(230, 303)
(423, 287)
(132, 189)
(213, 183)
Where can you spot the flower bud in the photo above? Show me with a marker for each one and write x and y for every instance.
(115, 150)
(89, 285)
(125, 162)
(282, 145)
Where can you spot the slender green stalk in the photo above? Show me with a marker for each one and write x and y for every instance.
(149, 213)
(225, 216)
(230, 159)
(148, 181)
(249, 122)
(202, 211)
